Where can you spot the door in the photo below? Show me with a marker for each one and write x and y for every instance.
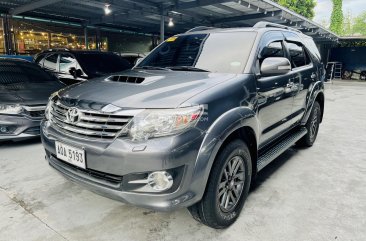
(69, 69)
(304, 73)
(275, 98)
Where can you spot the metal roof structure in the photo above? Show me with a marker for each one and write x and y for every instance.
(153, 16)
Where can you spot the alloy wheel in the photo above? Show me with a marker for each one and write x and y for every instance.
(314, 124)
(231, 184)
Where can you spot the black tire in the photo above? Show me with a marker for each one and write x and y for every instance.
(312, 125)
(215, 209)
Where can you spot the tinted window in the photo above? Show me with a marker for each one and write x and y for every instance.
(274, 49)
(215, 52)
(39, 58)
(67, 61)
(298, 55)
(101, 63)
(22, 72)
(50, 62)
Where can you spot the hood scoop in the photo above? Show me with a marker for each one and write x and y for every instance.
(126, 79)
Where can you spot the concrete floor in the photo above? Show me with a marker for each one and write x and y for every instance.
(310, 194)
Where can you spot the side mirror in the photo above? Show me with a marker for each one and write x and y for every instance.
(78, 73)
(72, 71)
(75, 72)
(273, 66)
(138, 60)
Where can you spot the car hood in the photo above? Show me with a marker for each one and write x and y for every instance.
(28, 93)
(159, 89)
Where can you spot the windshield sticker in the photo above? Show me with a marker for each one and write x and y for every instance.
(171, 39)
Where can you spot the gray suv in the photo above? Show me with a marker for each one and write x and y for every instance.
(193, 123)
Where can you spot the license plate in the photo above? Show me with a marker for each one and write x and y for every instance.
(72, 155)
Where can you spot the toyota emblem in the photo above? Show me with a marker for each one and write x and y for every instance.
(72, 115)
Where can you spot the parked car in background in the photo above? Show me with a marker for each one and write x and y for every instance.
(193, 123)
(24, 92)
(73, 66)
(132, 57)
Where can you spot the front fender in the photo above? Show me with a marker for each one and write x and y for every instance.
(225, 125)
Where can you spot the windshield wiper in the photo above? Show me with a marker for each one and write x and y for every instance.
(187, 68)
(152, 67)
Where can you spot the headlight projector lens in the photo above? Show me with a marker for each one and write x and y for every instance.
(160, 181)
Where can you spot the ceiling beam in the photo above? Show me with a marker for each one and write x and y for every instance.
(143, 3)
(202, 3)
(246, 17)
(195, 4)
(32, 6)
(310, 30)
(228, 9)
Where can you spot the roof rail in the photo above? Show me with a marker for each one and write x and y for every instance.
(199, 28)
(264, 24)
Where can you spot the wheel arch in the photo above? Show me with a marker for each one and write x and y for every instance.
(239, 123)
(316, 93)
(246, 134)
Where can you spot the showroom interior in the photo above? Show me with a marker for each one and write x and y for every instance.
(299, 193)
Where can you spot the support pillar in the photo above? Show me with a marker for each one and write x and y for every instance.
(49, 39)
(162, 30)
(86, 38)
(98, 39)
(8, 39)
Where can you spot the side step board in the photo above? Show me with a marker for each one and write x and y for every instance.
(279, 148)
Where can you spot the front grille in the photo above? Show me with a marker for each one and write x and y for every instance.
(91, 124)
(34, 111)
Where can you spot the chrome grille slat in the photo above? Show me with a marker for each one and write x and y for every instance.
(104, 119)
(55, 113)
(81, 131)
(91, 124)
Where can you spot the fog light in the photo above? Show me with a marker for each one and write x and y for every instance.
(4, 129)
(160, 181)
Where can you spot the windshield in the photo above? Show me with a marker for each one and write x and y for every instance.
(213, 52)
(14, 72)
(102, 63)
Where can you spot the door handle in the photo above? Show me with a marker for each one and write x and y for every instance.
(291, 87)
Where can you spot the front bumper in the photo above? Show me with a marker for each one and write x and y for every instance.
(19, 126)
(110, 164)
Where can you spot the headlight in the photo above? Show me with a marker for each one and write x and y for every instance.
(10, 109)
(163, 122)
